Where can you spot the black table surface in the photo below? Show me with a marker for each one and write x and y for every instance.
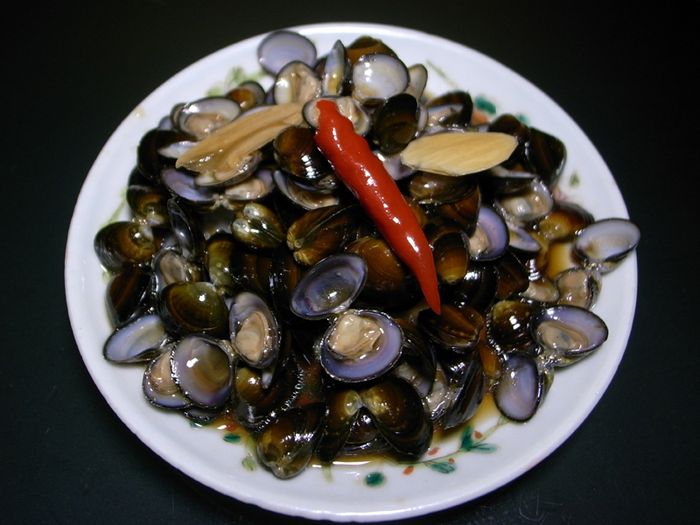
(73, 71)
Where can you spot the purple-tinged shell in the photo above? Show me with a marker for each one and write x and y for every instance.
(569, 331)
(520, 388)
(329, 287)
(202, 369)
(384, 354)
(490, 239)
(138, 341)
(282, 47)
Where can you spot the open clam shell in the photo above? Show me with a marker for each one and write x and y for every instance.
(360, 345)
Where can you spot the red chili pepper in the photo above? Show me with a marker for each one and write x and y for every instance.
(365, 176)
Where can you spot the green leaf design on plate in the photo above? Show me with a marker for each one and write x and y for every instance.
(575, 180)
(374, 479)
(443, 467)
(485, 105)
(232, 438)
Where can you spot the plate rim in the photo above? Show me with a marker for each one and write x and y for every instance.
(73, 282)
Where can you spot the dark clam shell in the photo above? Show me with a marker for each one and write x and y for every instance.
(457, 328)
(129, 293)
(450, 245)
(194, 307)
(343, 409)
(247, 95)
(336, 70)
(546, 155)
(578, 287)
(467, 386)
(397, 412)
(509, 326)
(185, 227)
(394, 123)
(258, 227)
(297, 154)
(124, 242)
(150, 161)
(183, 185)
(527, 205)
(322, 232)
(365, 45)
(170, 266)
(452, 109)
(562, 223)
(388, 281)
(218, 256)
(148, 203)
(287, 444)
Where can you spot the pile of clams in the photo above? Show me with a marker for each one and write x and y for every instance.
(257, 289)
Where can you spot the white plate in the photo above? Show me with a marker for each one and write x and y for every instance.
(380, 491)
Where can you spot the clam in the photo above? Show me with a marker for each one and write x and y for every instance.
(296, 193)
(138, 341)
(129, 293)
(417, 79)
(321, 232)
(194, 307)
(521, 387)
(466, 389)
(347, 106)
(378, 76)
(148, 203)
(528, 205)
(183, 185)
(247, 95)
(335, 71)
(158, 384)
(329, 287)
(170, 266)
(457, 328)
(279, 48)
(490, 237)
(202, 117)
(296, 82)
(395, 123)
(150, 159)
(202, 369)
(578, 287)
(568, 332)
(509, 326)
(452, 109)
(397, 411)
(360, 345)
(605, 243)
(124, 242)
(287, 444)
(258, 227)
(254, 331)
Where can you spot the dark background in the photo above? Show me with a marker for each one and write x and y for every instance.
(73, 71)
